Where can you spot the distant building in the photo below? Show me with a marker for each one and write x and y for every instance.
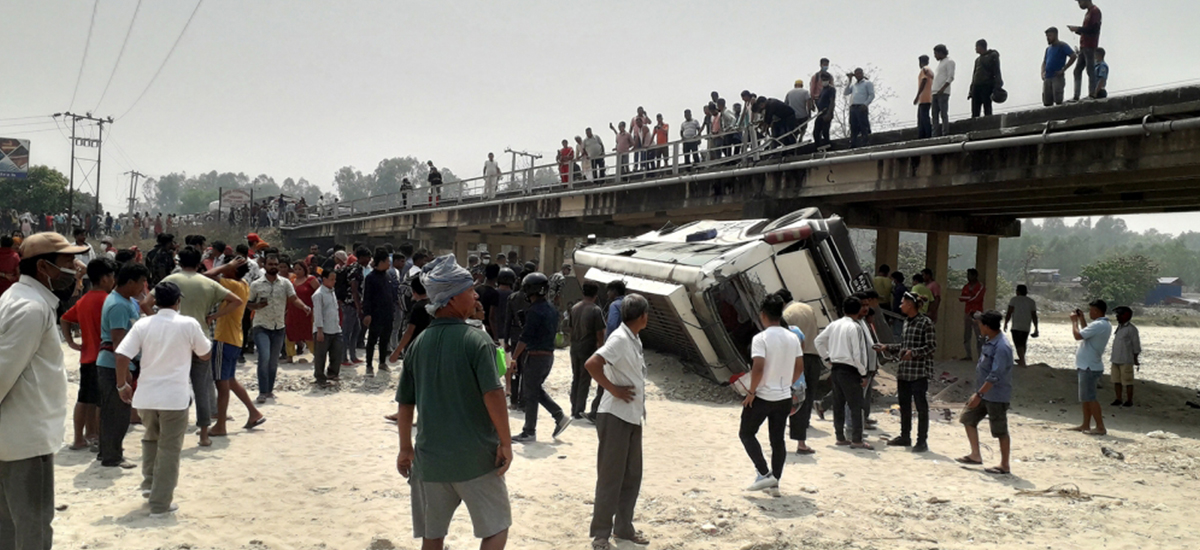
(1044, 276)
(1168, 287)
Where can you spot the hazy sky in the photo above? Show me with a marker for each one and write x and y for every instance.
(300, 88)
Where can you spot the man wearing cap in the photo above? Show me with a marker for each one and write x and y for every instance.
(109, 249)
(801, 102)
(1093, 337)
(33, 390)
(463, 446)
(167, 342)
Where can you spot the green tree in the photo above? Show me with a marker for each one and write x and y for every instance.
(1120, 280)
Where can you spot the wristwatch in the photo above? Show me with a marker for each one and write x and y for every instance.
(122, 387)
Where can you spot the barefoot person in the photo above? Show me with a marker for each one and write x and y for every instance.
(778, 363)
(227, 347)
(200, 295)
(993, 391)
(1089, 362)
(85, 315)
(168, 343)
(620, 367)
(846, 345)
(463, 445)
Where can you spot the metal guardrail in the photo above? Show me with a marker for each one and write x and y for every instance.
(715, 152)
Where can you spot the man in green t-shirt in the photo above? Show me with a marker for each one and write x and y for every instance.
(204, 300)
(921, 289)
(463, 445)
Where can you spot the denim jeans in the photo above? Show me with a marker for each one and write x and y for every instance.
(350, 328)
(1087, 62)
(860, 125)
(775, 413)
(941, 114)
(535, 371)
(1052, 89)
(924, 124)
(269, 344)
(847, 391)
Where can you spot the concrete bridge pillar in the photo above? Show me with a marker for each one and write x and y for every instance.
(987, 262)
(949, 312)
(887, 248)
(550, 253)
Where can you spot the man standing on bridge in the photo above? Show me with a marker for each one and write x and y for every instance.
(862, 94)
(924, 99)
(594, 147)
(985, 80)
(1059, 58)
(942, 78)
(1089, 41)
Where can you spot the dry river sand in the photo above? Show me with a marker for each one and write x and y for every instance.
(320, 474)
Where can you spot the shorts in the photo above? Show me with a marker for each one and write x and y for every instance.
(225, 360)
(1087, 384)
(433, 505)
(1122, 374)
(1020, 338)
(996, 413)
(89, 384)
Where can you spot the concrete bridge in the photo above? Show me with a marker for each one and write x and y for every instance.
(1123, 155)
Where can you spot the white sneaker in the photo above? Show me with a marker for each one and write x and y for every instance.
(763, 482)
(145, 493)
(171, 510)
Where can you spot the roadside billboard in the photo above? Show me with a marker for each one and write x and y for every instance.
(14, 158)
(235, 197)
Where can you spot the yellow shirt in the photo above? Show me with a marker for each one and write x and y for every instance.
(884, 286)
(229, 327)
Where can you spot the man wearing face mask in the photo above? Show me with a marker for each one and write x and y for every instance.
(33, 389)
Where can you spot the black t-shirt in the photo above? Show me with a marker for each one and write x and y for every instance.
(419, 318)
(828, 98)
(488, 296)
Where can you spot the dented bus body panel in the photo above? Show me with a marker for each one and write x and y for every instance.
(705, 280)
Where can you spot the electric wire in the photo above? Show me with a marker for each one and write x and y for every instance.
(86, 46)
(120, 54)
(165, 60)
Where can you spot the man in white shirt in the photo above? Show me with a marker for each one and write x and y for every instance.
(594, 147)
(778, 363)
(689, 131)
(33, 390)
(942, 77)
(862, 93)
(620, 368)
(491, 176)
(846, 345)
(166, 342)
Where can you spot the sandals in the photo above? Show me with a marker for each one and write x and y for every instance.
(996, 471)
(968, 460)
(255, 424)
(862, 446)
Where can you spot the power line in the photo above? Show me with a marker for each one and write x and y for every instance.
(86, 45)
(164, 63)
(21, 118)
(128, 31)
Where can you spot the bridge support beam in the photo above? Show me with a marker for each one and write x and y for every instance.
(887, 248)
(949, 313)
(987, 262)
(550, 253)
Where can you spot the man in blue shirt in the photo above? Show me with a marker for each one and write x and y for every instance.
(993, 392)
(120, 312)
(1089, 362)
(1059, 57)
(616, 296)
(537, 347)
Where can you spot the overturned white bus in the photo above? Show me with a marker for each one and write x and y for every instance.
(706, 279)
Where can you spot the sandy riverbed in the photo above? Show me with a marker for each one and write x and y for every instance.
(320, 474)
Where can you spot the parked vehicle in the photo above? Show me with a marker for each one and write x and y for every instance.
(706, 279)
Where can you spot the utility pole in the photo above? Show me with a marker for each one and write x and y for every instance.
(133, 176)
(531, 156)
(84, 142)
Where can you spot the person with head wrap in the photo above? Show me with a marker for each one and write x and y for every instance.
(463, 447)
(915, 354)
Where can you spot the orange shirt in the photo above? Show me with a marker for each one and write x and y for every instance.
(661, 132)
(926, 78)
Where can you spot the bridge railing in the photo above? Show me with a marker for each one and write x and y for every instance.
(703, 153)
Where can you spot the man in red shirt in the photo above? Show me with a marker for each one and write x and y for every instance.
(972, 299)
(85, 314)
(1089, 40)
(9, 263)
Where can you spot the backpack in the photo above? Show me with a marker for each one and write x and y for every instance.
(341, 284)
(161, 264)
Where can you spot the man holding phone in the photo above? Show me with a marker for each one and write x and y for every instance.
(1093, 337)
(269, 297)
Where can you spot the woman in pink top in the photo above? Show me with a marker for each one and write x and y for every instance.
(565, 157)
